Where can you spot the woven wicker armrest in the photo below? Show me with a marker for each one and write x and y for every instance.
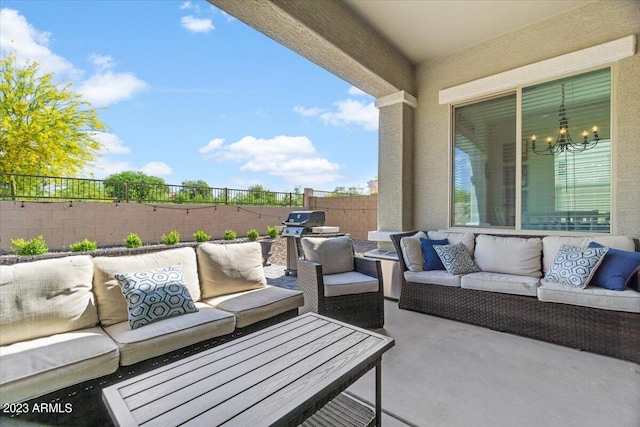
(370, 267)
(311, 284)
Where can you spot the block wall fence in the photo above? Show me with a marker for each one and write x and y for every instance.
(63, 223)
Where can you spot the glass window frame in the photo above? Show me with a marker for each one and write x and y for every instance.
(518, 170)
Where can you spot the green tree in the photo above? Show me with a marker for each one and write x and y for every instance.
(258, 195)
(79, 189)
(350, 190)
(45, 129)
(137, 185)
(297, 196)
(195, 191)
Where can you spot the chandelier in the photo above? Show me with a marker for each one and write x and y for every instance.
(564, 143)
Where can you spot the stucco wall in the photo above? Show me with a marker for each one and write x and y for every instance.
(61, 225)
(356, 215)
(580, 28)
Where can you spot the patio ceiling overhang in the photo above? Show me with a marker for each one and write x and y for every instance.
(333, 37)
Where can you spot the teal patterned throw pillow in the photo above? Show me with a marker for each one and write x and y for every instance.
(155, 295)
(574, 266)
(456, 259)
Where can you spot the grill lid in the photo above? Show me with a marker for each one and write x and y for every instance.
(305, 219)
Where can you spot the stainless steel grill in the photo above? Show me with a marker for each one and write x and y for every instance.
(301, 222)
(298, 224)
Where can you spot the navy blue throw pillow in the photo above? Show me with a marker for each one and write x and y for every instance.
(616, 269)
(431, 259)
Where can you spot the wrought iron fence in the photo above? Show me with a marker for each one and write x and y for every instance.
(36, 187)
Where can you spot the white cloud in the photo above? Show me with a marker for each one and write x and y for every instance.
(356, 92)
(353, 112)
(196, 25)
(347, 112)
(228, 17)
(279, 148)
(187, 5)
(112, 144)
(293, 158)
(157, 169)
(102, 62)
(214, 144)
(105, 167)
(17, 35)
(307, 112)
(104, 88)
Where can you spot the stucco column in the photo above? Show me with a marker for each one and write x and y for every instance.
(395, 162)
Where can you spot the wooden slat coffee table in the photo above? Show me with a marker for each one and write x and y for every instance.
(278, 376)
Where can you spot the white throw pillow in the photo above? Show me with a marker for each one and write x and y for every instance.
(456, 259)
(412, 251)
(574, 266)
(155, 295)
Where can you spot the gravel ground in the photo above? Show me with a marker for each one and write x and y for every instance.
(279, 249)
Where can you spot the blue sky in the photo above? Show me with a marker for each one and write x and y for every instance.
(188, 92)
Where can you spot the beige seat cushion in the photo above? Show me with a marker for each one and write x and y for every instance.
(36, 367)
(591, 296)
(335, 254)
(509, 255)
(433, 277)
(349, 283)
(412, 251)
(112, 307)
(259, 304)
(170, 334)
(47, 297)
(230, 268)
(500, 282)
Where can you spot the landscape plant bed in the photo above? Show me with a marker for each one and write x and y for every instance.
(10, 259)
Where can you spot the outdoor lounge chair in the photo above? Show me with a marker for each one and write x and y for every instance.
(338, 284)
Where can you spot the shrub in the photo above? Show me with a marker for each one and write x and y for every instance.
(230, 235)
(253, 234)
(35, 246)
(133, 241)
(172, 238)
(84, 246)
(272, 232)
(201, 236)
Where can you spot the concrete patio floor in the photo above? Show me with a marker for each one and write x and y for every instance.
(447, 373)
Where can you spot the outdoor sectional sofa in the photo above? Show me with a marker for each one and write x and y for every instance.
(513, 292)
(64, 321)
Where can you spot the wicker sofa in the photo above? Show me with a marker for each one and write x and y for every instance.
(65, 321)
(511, 294)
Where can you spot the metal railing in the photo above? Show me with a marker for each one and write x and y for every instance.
(37, 187)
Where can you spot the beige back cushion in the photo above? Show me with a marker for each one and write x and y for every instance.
(551, 245)
(334, 253)
(467, 239)
(230, 268)
(412, 251)
(509, 255)
(47, 297)
(112, 307)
